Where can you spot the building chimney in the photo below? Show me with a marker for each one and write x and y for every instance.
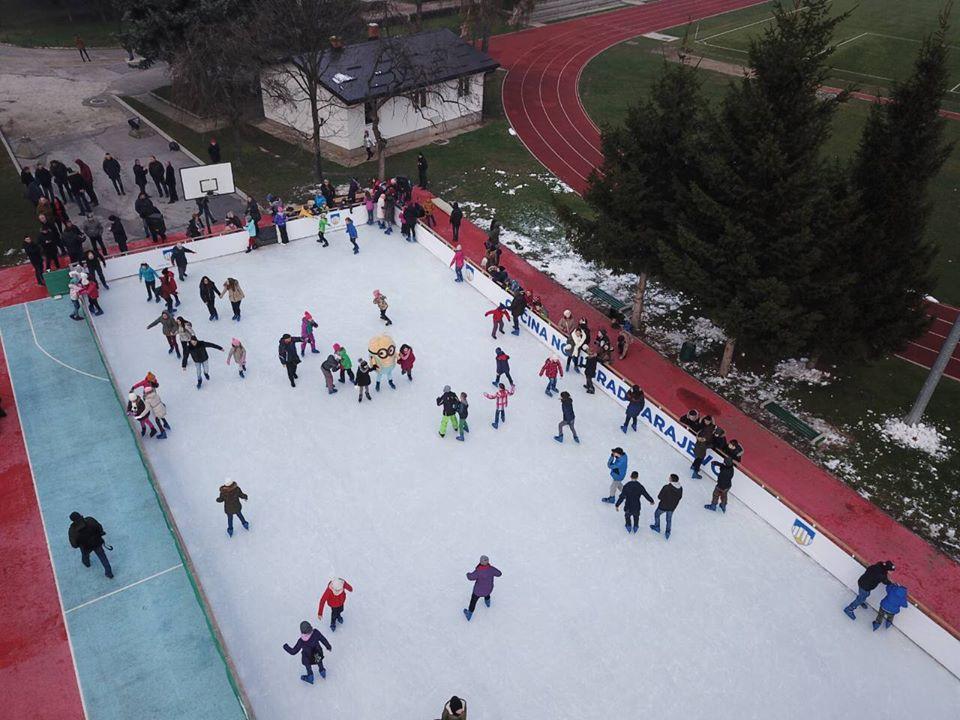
(373, 31)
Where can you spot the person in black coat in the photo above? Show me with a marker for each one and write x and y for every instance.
(724, 472)
(196, 350)
(72, 240)
(630, 497)
(95, 262)
(872, 576)
(213, 150)
(308, 645)
(422, 170)
(61, 178)
(78, 190)
(86, 534)
(590, 369)
(518, 306)
(49, 241)
(34, 192)
(569, 418)
(111, 168)
(45, 178)
(178, 256)
(119, 232)
(635, 403)
(734, 451)
(152, 219)
(158, 175)
(253, 210)
(34, 253)
(692, 420)
(170, 178)
(289, 358)
(209, 295)
(140, 176)
(26, 177)
(363, 381)
(669, 498)
(456, 217)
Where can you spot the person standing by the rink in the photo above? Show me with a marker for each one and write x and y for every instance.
(617, 463)
(209, 295)
(867, 583)
(239, 353)
(457, 262)
(346, 364)
(308, 645)
(724, 472)
(235, 295)
(196, 350)
(498, 315)
(502, 398)
(363, 381)
(463, 409)
(335, 596)
(448, 402)
(287, 352)
(552, 369)
(518, 306)
(351, 234)
(231, 495)
(168, 324)
(503, 367)
(699, 454)
(380, 300)
(669, 497)
(138, 410)
(635, 403)
(158, 408)
(456, 217)
(482, 577)
(578, 340)
(893, 601)
(86, 535)
(307, 324)
(406, 359)
(569, 417)
(590, 369)
(630, 497)
(328, 367)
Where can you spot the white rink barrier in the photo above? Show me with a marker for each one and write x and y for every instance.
(802, 532)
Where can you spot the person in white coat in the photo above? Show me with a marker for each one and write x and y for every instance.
(578, 339)
(381, 211)
(151, 398)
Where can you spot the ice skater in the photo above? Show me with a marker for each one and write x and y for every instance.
(406, 359)
(321, 229)
(589, 370)
(699, 454)
(178, 257)
(335, 596)
(328, 367)
(308, 645)
(86, 535)
(482, 577)
(352, 235)
(230, 495)
(669, 497)
(569, 417)
(893, 601)
(617, 464)
(502, 398)
(148, 276)
(307, 325)
(92, 291)
(518, 306)
(552, 369)
(196, 350)
(209, 295)
(158, 408)
(168, 289)
(235, 295)
(724, 473)
(457, 263)
(184, 333)
(346, 364)
(498, 315)
(630, 496)
(75, 288)
(867, 583)
(635, 403)
(463, 409)
(287, 352)
(449, 403)
(380, 300)
(239, 353)
(503, 367)
(138, 410)
(363, 381)
(280, 222)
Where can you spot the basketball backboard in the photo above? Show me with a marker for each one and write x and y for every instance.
(209, 180)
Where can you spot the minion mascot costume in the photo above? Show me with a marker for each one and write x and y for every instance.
(383, 357)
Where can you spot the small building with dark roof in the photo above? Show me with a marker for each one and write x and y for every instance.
(422, 86)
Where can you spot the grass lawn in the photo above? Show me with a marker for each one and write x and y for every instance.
(18, 217)
(30, 24)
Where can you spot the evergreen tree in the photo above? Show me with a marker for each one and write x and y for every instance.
(901, 150)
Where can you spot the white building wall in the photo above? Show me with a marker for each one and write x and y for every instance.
(342, 125)
(398, 116)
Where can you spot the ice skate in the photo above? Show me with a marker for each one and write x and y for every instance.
(623, 429)
(390, 383)
(467, 614)
(199, 383)
(377, 386)
(655, 528)
(849, 613)
(162, 435)
(710, 506)
(307, 678)
(486, 601)
(608, 499)
(558, 438)
(576, 439)
(876, 625)
(230, 531)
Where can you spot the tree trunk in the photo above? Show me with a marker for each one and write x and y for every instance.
(727, 360)
(315, 139)
(237, 142)
(419, 15)
(381, 144)
(636, 315)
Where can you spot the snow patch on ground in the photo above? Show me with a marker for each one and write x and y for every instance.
(923, 437)
(796, 370)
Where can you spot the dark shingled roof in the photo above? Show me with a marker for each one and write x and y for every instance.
(399, 64)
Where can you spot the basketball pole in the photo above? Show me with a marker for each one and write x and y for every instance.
(936, 372)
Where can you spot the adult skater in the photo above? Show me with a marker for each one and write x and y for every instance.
(502, 398)
(455, 709)
(406, 359)
(308, 645)
(196, 350)
(482, 577)
(867, 583)
(178, 257)
(569, 417)
(635, 403)
(457, 263)
(346, 364)
(157, 408)
(231, 495)
(724, 472)
(239, 353)
(699, 454)
(448, 402)
(138, 410)
(669, 497)
(498, 315)
(630, 497)
(589, 369)
(168, 289)
(209, 295)
(893, 601)
(328, 367)
(235, 295)
(86, 535)
(617, 464)
(463, 409)
(363, 381)
(168, 324)
(184, 333)
(503, 367)
(307, 325)
(552, 369)
(287, 352)
(518, 306)
(351, 234)
(335, 596)
(380, 300)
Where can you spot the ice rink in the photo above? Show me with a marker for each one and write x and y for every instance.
(726, 620)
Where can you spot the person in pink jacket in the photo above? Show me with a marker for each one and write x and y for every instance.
(406, 359)
(457, 263)
(307, 324)
(502, 397)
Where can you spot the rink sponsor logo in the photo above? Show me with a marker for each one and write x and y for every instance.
(802, 533)
(334, 219)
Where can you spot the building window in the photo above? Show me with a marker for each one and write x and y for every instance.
(463, 87)
(419, 99)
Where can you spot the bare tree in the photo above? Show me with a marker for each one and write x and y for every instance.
(479, 16)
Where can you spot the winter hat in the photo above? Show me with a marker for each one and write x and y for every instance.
(455, 704)
(484, 560)
(336, 585)
(336, 347)
(567, 314)
(306, 627)
(235, 342)
(889, 566)
(376, 293)
(565, 395)
(499, 351)
(149, 389)
(459, 247)
(674, 478)
(132, 397)
(75, 516)
(307, 315)
(446, 388)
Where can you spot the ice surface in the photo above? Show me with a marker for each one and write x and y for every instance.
(726, 620)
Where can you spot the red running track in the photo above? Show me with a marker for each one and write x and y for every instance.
(924, 350)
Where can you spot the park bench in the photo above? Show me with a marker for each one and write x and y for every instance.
(795, 424)
(609, 300)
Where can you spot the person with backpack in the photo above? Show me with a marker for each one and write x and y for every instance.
(86, 535)
(552, 369)
(630, 497)
(231, 495)
(482, 576)
(724, 472)
(449, 403)
(635, 403)
(308, 645)
(617, 464)
(566, 408)
(502, 399)
(503, 367)
(669, 497)
(335, 596)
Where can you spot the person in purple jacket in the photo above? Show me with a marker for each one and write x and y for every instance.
(482, 577)
(308, 645)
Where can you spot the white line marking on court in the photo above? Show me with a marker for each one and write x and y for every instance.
(954, 88)
(744, 27)
(850, 40)
(125, 587)
(59, 362)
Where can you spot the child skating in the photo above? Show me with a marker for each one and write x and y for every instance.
(335, 596)
(308, 645)
(231, 495)
(893, 601)
(501, 396)
(328, 367)
(380, 300)
(238, 353)
(553, 370)
(499, 314)
(307, 325)
(406, 359)
(482, 577)
(363, 381)
(148, 276)
(137, 409)
(352, 235)
(321, 229)
(503, 367)
(158, 408)
(346, 364)
(569, 417)
(463, 409)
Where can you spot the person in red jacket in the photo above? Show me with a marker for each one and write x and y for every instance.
(406, 358)
(499, 313)
(335, 596)
(168, 289)
(92, 291)
(553, 369)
